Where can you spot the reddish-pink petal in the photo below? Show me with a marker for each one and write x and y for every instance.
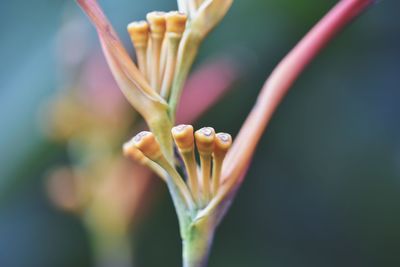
(279, 83)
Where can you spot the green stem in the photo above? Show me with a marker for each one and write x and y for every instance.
(197, 243)
(161, 126)
(187, 53)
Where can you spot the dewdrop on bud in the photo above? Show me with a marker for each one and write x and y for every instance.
(205, 140)
(146, 142)
(176, 22)
(223, 142)
(183, 136)
(157, 22)
(139, 33)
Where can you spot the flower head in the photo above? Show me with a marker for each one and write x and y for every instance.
(166, 45)
(206, 189)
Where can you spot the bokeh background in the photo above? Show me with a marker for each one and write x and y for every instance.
(324, 185)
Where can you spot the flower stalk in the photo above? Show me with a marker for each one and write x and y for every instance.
(197, 243)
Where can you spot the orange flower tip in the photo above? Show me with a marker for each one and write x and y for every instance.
(205, 140)
(223, 142)
(131, 151)
(183, 136)
(176, 22)
(157, 21)
(146, 142)
(139, 32)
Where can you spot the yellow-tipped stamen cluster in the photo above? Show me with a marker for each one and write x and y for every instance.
(212, 148)
(156, 43)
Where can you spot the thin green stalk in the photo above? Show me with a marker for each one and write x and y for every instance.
(160, 126)
(187, 53)
(196, 243)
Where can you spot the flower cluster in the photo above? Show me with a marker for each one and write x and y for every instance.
(166, 46)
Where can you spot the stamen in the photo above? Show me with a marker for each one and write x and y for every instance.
(184, 140)
(131, 151)
(139, 33)
(223, 142)
(205, 145)
(146, 142)
(157, 26)
(175, 23)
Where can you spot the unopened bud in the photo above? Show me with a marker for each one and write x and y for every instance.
(131, 151)
(183, 136)
(223, 142)
(205, 140)
(157, 22)
(176, 22)
(139, 33)
(146, 142)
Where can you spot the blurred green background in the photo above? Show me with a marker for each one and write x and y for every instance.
(324, 185)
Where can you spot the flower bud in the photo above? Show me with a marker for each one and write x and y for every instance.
(222, 143)
(183, 136)
(205, 140)
(139, 33)
(176, 22)
(131, 151)
(146, 142)
(157, 22)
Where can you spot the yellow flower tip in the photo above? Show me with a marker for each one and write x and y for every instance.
(205, 140)
(139, 32)
(146, 142)
(222, 143)
(176, 22)
(183, 136)
(157, 21)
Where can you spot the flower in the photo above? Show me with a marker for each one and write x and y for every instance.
(166, 47)
(106, 191)
(203, 198)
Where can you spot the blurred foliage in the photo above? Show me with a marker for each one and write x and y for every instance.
(323, 189)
